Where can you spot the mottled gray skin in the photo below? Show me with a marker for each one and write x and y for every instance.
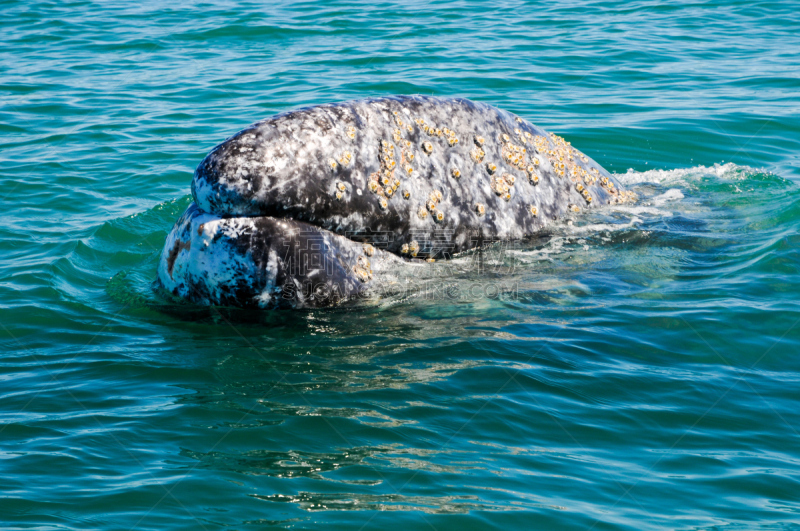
(276, 177)
(264, 262)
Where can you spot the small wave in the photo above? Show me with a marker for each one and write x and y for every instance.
(686, 176)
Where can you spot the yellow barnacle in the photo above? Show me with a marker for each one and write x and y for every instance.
(447, 131)
(333, 164)
(510, 179)
(517, 131)
(527, 134)
(406, 194)
(413, 247)
(507, 196)
(409, 169)
(491, 167)
(340, 186)
(480, 209)
(431, 205)
(438, 132)
(388, 190)
(427, 147)
(422, 213)
(588, 198)
(534, 211)
(384, 204)
(386, 179)
(438, 216)
(455, 172)
(369, 250)
(533, 178)
(506, 138)
(438, 195)
(410, 129)
(517, 118)
(574, 208)
(579, 187)
(404, 249)
(452, 141)
(408, 143)
(362, 274)
(373, 186)
(410, 156)
(339, 195)
(479, 141)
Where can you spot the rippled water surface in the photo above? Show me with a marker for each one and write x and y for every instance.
(642, 374)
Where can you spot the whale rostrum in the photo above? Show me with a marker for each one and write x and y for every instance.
(340, 197)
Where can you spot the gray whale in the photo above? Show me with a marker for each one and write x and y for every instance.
(325, 204)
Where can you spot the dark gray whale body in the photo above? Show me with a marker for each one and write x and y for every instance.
(327, 203)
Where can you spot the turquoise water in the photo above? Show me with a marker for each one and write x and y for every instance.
(643, 374)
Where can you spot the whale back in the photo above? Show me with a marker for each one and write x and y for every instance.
(403, 166)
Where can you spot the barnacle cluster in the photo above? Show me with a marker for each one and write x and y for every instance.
(345, 158)
(624, 196)
(432, 205)
(362, 269)
(340, 190)
(444, 132)
(384, 183)
(515, 155)
(501, 187)
(411, 248)
(477, 153)
(533, 175)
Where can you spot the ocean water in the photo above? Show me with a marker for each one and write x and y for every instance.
(641, 372)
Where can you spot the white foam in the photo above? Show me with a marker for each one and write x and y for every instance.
(673, 194)
(684, 176)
